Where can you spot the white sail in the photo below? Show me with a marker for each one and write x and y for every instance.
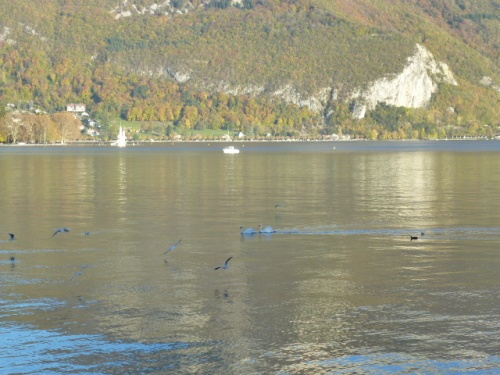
(122, 139)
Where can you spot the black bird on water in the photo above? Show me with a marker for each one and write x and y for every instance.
(226, 264)
(413, 238)
(79, 273)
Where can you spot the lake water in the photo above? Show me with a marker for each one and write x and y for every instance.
(339, 289)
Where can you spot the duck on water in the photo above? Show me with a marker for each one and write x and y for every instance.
(267, 229)
(244, 231)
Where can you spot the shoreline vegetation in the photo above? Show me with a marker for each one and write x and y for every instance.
(239, 141)
(26, 127)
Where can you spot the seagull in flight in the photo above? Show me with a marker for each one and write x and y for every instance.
(173, 247)
(12, 237)
(79, 272)
(226, 264)
(61, 230)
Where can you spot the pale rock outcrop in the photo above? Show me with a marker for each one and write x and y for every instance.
(4, 36)
(178, 76)
(165, 8)
(290, 95)
(488, 81)
(239, 90)
(412, 88)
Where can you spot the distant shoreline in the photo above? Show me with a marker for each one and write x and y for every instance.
(145, 143)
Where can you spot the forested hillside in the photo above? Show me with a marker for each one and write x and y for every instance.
(257, 66)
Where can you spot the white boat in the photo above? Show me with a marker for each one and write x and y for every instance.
(230, 150)
(122, 139)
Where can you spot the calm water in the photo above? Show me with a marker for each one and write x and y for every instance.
(340, 288)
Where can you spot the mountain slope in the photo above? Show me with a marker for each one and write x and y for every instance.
(322, 56)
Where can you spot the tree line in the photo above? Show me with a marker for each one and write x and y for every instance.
(18, 127)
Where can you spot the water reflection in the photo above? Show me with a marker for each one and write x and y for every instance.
(337, 287)
(84, 352)
(122, 182)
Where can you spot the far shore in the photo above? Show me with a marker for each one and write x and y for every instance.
(150, 142)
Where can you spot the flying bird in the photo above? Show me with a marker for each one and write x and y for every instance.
(173, 247)
(12, 237)
(79, 272)
(61, 230)
(226, 264)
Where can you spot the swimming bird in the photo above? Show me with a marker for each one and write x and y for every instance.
(413, 238)
(172, 247)
(79, 272)
(86, 234)
(278, 205)
(226, 264)
(247, 231)
(266, 229)
(61, 230)
(12, 237)
(12, 259)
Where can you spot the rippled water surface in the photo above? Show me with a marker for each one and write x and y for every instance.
(338, 288)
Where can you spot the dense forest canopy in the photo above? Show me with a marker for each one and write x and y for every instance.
(248, 66)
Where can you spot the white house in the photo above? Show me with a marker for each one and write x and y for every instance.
(75, 107)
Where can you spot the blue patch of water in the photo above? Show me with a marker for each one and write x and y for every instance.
(28, 350)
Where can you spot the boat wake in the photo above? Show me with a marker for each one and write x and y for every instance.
(452, 233)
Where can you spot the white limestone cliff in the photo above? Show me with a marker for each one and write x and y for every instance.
(412, 88)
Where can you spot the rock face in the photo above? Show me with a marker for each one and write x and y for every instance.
(290, 95)
(412, 88)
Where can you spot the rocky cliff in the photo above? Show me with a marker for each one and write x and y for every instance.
(412, 88)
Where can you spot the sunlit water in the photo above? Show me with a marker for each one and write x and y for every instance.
(339, 288)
